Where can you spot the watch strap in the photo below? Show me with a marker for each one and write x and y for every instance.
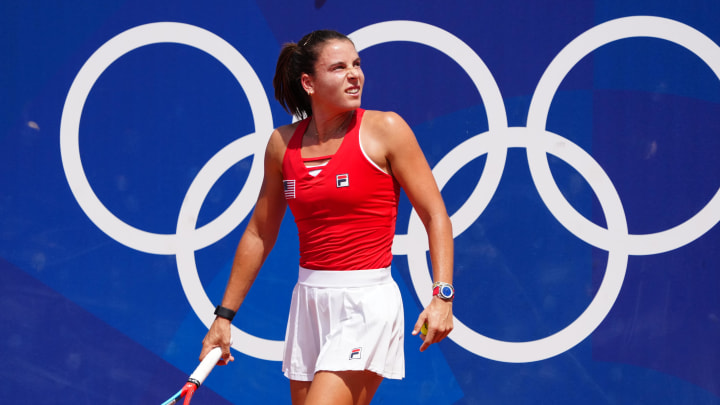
(226, 313)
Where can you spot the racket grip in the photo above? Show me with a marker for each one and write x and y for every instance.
(206, 365)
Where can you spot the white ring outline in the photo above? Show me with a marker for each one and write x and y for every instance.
(622, 28)
(99, 61)
(187, 238)
(594, 314)
(536, 150)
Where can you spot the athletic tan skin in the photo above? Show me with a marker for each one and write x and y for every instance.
(335, 90)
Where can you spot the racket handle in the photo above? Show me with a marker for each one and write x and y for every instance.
(201, 372)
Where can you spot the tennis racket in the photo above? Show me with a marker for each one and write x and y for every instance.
(196, 378)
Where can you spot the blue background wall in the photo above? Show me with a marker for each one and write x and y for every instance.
(96, 313)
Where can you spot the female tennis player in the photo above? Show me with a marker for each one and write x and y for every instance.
(340, 170)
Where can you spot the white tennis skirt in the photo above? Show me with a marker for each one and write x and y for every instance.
(345, 320)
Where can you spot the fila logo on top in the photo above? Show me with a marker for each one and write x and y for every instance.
(342, 180)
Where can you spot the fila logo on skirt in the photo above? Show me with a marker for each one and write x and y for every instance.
(356, 353)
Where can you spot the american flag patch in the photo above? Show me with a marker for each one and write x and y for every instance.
(356, 353)
(289, 187)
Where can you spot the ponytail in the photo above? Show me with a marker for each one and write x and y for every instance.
(288, 89)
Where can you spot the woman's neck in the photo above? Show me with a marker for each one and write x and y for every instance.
(326, 127)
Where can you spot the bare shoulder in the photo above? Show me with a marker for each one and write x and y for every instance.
(385, 137)
(389, 129)
(279, 139)
(384, 121)
(285, 132)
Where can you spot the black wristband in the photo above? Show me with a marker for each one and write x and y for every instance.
(223, 312)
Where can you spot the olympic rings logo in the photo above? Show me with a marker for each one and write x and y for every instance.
(534, 138)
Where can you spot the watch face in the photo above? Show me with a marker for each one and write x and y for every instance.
(446, 291)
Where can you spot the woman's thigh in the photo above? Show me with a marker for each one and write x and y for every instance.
(336, 388)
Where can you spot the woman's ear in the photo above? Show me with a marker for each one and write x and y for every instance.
(307, 84)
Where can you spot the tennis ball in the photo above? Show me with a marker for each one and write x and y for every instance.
(423, 329)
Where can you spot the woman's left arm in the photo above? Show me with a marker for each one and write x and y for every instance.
(408, 165)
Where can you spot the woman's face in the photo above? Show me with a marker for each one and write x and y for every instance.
(338, 80)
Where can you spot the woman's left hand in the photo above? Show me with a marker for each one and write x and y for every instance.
(439, 320)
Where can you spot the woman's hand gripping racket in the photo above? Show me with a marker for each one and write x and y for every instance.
(196, 378)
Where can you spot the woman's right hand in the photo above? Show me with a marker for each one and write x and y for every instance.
(219, 335)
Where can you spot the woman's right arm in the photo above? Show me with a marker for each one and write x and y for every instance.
(255, 245)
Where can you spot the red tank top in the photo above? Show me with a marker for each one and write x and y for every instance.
(346, 214)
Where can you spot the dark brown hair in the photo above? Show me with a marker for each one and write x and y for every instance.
(294, 60)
